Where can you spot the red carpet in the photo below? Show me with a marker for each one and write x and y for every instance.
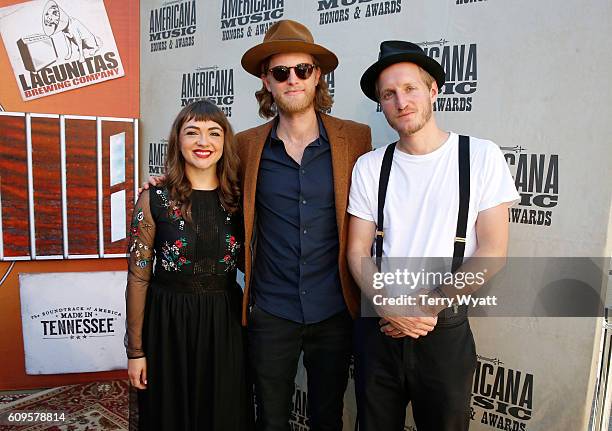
(98, 406)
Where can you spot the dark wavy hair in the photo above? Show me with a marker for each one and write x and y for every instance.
(267, 108)
(177, 183)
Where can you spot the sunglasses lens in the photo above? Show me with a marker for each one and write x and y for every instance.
(304, 70)
(280, 73)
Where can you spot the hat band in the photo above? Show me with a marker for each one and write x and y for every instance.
(288, 40)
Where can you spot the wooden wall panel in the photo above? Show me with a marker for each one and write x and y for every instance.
(81, 184)
(46, 165)
(14, 186)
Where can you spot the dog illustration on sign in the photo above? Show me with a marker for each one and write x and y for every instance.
(55, 19)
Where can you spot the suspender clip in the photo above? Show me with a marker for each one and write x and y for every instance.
(380, 233)
(459, 239)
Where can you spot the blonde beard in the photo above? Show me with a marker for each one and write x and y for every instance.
(295, 107)
(424, 117)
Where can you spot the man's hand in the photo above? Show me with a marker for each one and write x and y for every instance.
(153, 181)
(137, 372)
(415, 327)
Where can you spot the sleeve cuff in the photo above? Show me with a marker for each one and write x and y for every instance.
(359, 214)
(135, 355)
(510, 200)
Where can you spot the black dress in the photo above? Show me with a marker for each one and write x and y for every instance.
(184, 316)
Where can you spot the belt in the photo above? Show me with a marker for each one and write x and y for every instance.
(452, 316)
(194, 283)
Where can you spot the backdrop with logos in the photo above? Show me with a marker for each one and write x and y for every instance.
(532, 78)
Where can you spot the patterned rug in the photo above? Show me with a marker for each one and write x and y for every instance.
(7, 399)
(98, 406)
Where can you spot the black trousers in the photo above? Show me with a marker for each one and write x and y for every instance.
(433, 372)
(275, 345)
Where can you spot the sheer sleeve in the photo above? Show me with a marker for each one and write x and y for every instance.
(140, 268)
(240, 238)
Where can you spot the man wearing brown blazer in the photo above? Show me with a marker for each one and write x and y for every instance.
(295, 173)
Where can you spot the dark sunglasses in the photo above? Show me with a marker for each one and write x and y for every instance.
(302, 71)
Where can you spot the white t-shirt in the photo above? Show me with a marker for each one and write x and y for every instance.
(423, 196)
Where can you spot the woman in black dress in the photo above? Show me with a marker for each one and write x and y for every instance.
(184, 338)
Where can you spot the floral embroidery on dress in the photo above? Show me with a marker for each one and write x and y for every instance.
(174, 210)
(140, 250)
(232, 247)
(172, 258)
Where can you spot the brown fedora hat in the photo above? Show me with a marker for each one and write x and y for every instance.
(287, 36)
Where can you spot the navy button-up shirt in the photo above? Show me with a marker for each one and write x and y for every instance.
(295, 273)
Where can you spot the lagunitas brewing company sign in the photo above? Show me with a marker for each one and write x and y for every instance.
(247, 18)
(212, 83)
(56, 46)
(502, 396)
(172, 26)
(536, 177)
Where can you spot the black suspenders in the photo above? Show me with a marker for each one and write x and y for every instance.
(464, 201)
(385, 171)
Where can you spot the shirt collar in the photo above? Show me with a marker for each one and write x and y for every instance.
(322, 132)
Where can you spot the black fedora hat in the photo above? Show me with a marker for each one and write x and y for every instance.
(398, 51)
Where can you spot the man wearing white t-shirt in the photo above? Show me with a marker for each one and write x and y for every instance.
(443, 196)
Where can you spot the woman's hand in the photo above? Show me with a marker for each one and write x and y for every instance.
(153, 181)
(137, 372)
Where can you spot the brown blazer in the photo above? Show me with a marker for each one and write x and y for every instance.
(348, 140)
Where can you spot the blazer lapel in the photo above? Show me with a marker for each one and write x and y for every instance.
(339, 154)
(251, 173)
